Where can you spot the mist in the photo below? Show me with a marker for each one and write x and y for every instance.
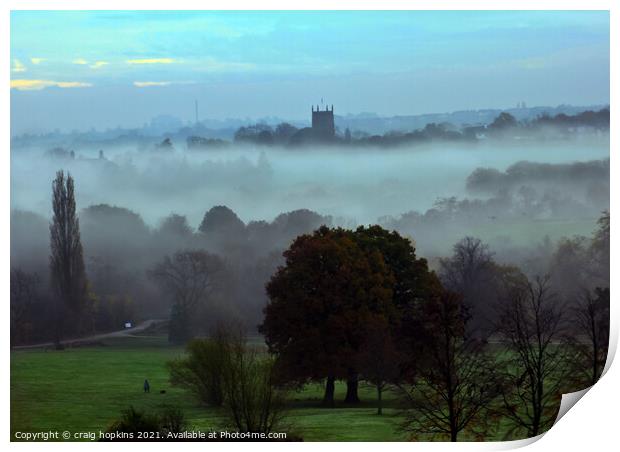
(355, 185)
(246, 203)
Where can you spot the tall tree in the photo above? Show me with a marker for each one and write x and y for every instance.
(68, 275)
(413, 285)
(322, 302)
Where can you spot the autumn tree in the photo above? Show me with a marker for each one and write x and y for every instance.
(189, 277)
(413, 284)
(68, 275)
(454, 387)
(321, 303)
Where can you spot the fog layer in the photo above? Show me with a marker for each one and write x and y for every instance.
(355, 187)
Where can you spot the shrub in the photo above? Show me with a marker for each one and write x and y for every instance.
(172, 420)
(202, 371)
(169, 420)
(132, 421)
(224, 371)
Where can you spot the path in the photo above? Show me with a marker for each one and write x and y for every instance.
(96, 337)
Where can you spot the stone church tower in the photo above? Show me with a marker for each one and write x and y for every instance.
(323, 122)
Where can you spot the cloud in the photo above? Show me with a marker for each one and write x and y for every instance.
(147, 84)
(37, 60)
(98, 64)
(80, 61)
(151, 61)
(32, 85)
(73, 84)
(18, 66)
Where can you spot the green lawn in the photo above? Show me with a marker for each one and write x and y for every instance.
(84, 390)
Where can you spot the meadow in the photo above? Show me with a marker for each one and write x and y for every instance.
(84, 390)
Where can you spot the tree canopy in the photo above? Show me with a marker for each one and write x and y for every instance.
(336, 286)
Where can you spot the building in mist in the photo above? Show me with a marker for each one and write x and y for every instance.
(323, 123)
(323, 128)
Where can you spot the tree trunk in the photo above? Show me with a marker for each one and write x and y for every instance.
(328, 399)
(379, 401)
(352, 384)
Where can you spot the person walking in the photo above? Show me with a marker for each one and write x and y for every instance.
(147, 386)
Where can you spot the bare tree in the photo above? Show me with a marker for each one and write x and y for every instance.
(456, 383)
(470, 258)
(190, 277)
(68, 275)
(591, 323)
(472, 272)
(536, 364)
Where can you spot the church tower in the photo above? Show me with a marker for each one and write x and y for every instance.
(323, 122)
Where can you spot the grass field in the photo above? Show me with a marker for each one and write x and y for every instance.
(85, 389)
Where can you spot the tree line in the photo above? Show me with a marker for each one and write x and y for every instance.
(359, 305)
(503, 126)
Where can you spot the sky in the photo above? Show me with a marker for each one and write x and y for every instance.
(74, 70)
